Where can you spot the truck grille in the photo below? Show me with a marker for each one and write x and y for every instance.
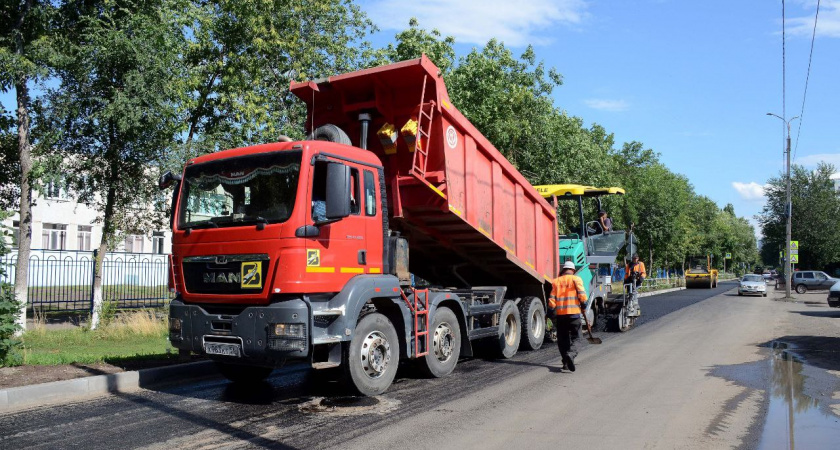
(225, 274)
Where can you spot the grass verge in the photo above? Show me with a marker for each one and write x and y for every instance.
(133, 335)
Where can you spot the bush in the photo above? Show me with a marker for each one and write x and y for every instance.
(9, 309)
(9, 344)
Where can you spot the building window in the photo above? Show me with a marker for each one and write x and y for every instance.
(157, 242)
(57, 190)
(54, 236)
(134, 243)
(84, 237)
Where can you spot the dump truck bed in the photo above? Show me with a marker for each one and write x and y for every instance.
(470, 217)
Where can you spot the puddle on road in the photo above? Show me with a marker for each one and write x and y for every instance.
(349, 406)
(794, 418)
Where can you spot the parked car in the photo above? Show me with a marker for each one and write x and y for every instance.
(752, 285)
(768, 277)
(813, 280)
(834, 296)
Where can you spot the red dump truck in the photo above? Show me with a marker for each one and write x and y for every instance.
(395, 232)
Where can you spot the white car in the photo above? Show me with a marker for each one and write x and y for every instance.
(752, 285)
(834, 295)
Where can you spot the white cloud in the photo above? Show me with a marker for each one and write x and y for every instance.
(517, 23)
(828, 24)
(607, 105)
(813, 160)
(749, 191)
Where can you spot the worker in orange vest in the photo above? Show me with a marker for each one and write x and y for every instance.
(566, 300)
(635, 266)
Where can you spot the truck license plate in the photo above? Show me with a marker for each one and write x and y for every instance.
(213, 348)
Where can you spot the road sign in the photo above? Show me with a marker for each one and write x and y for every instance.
(729, 256)
(794, 245)
(794, 259)
(794, 251)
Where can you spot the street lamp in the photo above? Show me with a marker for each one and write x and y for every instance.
(788, 207)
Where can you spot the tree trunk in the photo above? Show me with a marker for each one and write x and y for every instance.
(25, 230)
(107, 235)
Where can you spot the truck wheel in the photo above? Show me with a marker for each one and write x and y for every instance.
(509, 334)
(801, 289)
(445, 348)
(370, 361)
(239, 373)
(532, 313)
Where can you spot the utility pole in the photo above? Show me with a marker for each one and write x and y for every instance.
(788, 207)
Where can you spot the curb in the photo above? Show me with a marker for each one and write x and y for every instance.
(663, 291)
(22, 397)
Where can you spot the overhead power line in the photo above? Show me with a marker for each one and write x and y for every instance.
(807, 76)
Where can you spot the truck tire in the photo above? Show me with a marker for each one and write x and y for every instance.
(371, 358)
(509, 334)
(532, 313)
(239, 373)
(445, 344)
(331, 133)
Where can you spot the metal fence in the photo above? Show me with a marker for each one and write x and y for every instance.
(62, 280)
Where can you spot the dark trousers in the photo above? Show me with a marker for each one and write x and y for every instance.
(568, 332)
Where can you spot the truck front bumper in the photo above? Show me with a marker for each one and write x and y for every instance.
(266, 335)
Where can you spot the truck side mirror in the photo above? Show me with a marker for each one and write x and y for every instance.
(168, 179)
(338, 191)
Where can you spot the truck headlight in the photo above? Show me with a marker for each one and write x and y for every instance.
(291, 330)
(287, 336)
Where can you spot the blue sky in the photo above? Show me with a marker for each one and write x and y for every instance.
(691, 80)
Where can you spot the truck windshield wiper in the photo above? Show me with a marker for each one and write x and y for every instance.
(206, 224)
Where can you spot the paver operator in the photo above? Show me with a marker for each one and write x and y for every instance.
(635, 266)
(567, 298)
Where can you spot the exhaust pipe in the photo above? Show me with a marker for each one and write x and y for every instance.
(365, 119)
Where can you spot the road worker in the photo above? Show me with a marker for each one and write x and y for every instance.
(635, 266)
(566, 300)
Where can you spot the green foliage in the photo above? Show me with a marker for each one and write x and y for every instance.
(9, 310)
(816, 208)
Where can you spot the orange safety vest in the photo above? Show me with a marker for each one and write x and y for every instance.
(567, 295)
(640, 266)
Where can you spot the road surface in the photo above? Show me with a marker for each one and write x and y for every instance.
(693, 373)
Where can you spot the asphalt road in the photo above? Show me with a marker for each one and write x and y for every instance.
(281, 413)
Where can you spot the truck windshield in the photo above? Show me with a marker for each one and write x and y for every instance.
(236, 191)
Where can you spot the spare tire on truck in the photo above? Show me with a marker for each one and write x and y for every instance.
(331, 133)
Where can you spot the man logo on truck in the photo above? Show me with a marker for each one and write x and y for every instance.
(252, 275)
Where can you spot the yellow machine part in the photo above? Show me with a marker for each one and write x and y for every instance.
(701, 280)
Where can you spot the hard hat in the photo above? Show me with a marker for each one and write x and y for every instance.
(568, 265)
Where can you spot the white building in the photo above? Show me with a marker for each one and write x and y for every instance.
(61, 223)
(836, 179)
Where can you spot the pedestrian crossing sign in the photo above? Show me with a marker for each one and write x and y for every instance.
(729, 256)
(794, 245)
(794, 259)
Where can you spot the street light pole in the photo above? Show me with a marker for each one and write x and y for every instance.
(788, 207)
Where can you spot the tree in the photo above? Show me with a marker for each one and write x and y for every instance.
(816, 207)
(240, 57)
(23, 35)
(113, 108)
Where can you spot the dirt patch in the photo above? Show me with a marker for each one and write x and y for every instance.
(28, 375)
